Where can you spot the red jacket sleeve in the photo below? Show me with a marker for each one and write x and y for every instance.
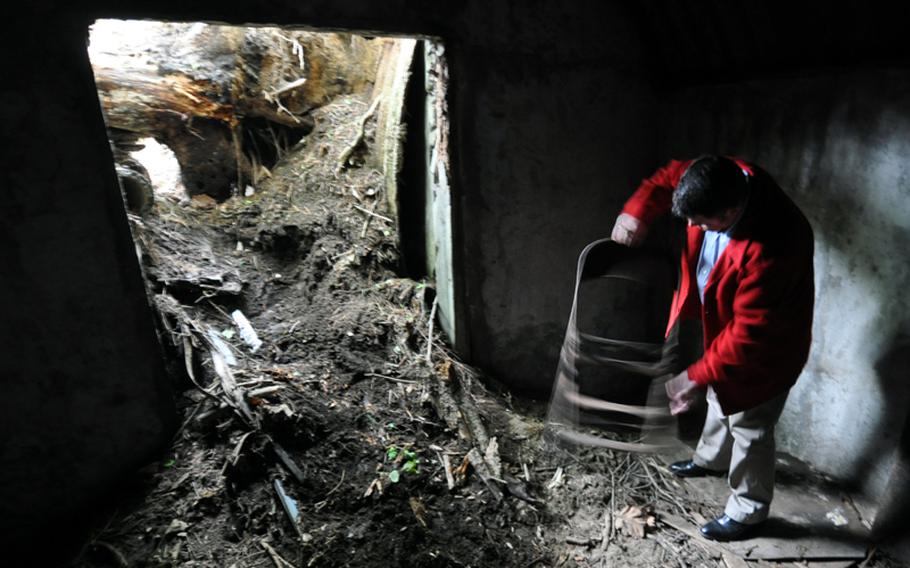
(655, 194)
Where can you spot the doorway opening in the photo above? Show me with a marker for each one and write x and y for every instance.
(274, 179)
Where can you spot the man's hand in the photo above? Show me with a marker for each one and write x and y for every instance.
(628, 230)
(683, 393)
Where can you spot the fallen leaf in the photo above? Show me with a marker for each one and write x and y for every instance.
(176, 526)
(634, 520)
(376, 484)
(462, 470)
(419, 510)
(203, 201)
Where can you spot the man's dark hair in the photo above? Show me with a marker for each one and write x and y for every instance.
(710, 186)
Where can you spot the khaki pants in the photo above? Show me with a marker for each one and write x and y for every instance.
(742, 444)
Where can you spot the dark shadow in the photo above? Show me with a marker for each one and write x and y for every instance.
(783, 529)
(892, 369)
(891, 521)
(412, 180)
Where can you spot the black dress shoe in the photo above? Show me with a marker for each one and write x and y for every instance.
(723, 528)
(689, 468)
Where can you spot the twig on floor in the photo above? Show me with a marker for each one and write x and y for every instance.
(660, 490)
(429, 352)
(276, 558)
(556, 479)
(235, 454)
(447, 467)
(358, 140)
(612, 504)
(674, 552)
(607, 532)
(373, 213)
(119, 558)
(388, 378)
(868, 558)
(188, 420)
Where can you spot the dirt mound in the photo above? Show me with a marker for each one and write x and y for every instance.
(339, 406)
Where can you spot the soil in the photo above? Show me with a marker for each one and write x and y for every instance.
(342, 409)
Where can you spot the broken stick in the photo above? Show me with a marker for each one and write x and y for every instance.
(430, 331)
(276, 558)
(358, 140)
(447, 467)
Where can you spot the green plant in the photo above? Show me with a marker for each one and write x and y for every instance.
(410, 463)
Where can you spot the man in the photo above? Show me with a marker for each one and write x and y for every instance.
(747, 274)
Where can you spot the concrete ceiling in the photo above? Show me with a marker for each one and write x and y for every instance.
(722, 40)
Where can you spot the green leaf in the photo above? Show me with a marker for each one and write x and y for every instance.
(170, 463)
(390, 425)
(410, 466)
(391, 453)
(228, 333)
(409, 455)
(394, 476)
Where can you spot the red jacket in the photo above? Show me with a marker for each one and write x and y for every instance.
(759, 298)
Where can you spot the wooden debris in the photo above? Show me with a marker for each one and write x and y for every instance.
(289, 505)
(247, 333)
(235, 396)
(358, 140)
(492, 459)
(221, 346)
(607, 532)
(376, 485)
(419, 510)
(276, 558)
(580, 540)
(518, 489)
(176, 527)
(556, 479)
(432, 318)
(480, 466)
(373, 213)
(447, 468)
(288, 462)
(235, 454)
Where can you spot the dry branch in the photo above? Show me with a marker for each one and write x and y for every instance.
(358, 140)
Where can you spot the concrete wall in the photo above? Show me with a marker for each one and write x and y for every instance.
(552, 129)
(553, 153)
(838, 144)
(85, 397)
